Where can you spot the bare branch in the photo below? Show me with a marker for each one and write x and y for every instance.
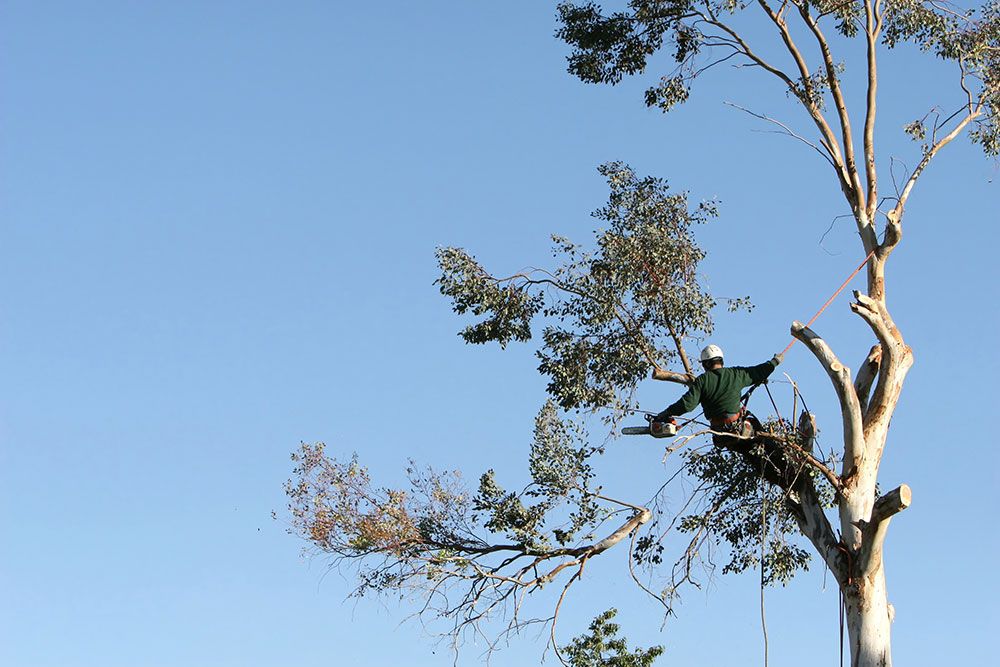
(839, 102)
(680, 348)
(897, 212)
(874, 312)
(840, 376)
(806, 98)
(873, 26)
(866, 376)
(787, 131)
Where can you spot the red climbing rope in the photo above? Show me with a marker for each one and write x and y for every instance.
(834, 296)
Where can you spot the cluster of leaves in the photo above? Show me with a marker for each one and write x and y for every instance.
(471, 289)
(741, 509)
(967, 36)
(602, 647)
(560, 478)
(815, 88)
(606, 46)
(611, 314)
(435, 521)
(335, 506)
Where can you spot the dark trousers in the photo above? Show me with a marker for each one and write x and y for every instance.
(772, 463)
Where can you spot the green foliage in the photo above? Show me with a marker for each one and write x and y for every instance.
(738, 507)
(473, 290)
(560, 477)
(671, 91)
(434, 527)
(603, 648)
(610, 312)
(606, 46)
(742, 508)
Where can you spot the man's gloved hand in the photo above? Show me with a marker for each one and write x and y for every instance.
(668, 419)
(778, 358)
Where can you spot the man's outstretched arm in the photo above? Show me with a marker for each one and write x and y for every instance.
(760, 372)
(685, 403)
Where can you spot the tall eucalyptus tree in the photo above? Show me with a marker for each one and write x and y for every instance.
(616, 311)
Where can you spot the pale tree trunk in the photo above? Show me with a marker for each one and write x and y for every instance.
(868, 623)
(867, 405)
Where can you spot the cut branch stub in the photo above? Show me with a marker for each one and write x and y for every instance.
(874, 531)
(891, 503)
(670, 376)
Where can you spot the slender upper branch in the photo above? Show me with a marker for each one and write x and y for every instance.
(873, 26)
(805, 97)
(838, 100)
(974, 113)
(786, 131)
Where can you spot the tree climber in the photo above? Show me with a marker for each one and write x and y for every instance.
(718, 391)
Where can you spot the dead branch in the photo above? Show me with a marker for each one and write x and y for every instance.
(787, 131)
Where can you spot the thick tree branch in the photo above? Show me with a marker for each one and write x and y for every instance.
(874, 312)
(866, 376)
(809, 514)
(670, 376)
(784, 441)
(896, 357)
(680, 348)
(815, 525)
(874, 531)
(850, 408)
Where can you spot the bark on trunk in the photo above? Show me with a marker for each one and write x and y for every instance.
(864, 519)
(869, 617)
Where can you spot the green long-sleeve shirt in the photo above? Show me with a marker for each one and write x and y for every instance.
(718, 390)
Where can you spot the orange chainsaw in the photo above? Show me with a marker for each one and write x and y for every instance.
(654, 427)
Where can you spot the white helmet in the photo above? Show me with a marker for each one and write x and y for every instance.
(711, 352)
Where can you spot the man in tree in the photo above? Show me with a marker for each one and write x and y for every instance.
(718, 390)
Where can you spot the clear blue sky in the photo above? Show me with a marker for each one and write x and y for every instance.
(218, 224)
